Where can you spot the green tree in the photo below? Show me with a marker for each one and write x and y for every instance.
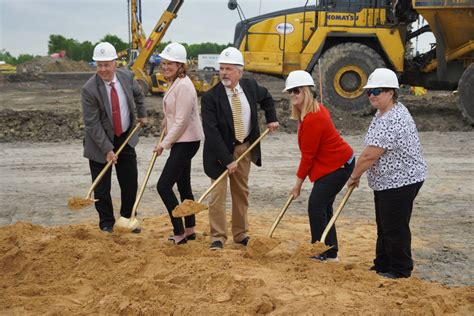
(86, 48)
(83, 51)
(116, 41)
(9, 59)
(24, 58)
(71, 46)
(205, 48)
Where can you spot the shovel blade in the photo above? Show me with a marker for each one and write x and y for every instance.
(188, 207)
(128, 224)
(77, 203)
(319, 248)
(259, 246)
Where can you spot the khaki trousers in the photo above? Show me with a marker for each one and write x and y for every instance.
(239, 192)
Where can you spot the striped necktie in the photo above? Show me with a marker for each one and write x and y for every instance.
(116, 118)
(237, 116)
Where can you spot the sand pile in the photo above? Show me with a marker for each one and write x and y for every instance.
(77, 269)
(53, 125)
(39, 65)
(67, 65)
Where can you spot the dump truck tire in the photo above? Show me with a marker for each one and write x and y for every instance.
(345, 69)
(466, 94)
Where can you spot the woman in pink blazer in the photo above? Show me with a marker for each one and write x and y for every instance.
(184, 134)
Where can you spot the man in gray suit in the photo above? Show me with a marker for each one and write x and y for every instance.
(109, 100)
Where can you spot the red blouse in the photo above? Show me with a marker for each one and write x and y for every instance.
(322, 148)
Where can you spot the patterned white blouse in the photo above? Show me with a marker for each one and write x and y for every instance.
(402, 163)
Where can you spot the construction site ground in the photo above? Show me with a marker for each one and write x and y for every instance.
(55, 261)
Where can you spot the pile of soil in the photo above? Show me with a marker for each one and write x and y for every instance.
(67, 65)
(49, 109)
(431, 113)
(78, 269)
(40, 126)
(35, 67)
(54, 126)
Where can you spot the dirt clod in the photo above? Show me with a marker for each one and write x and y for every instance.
(76, 203)
(189, 207)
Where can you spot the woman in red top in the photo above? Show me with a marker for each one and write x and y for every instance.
(326, 159)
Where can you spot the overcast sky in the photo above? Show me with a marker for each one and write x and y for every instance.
(25, 25)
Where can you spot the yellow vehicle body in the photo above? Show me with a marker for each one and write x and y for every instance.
(342, 41)
(262, 51)
(7, 69)
(452, 22)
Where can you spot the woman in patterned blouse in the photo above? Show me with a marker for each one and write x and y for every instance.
(396, 171)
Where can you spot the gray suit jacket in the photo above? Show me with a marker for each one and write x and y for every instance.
(97, 114)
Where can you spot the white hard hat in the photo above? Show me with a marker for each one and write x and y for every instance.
(382, 78)
(174, 52)
(298, 78)
(104, 52)
(231, 55)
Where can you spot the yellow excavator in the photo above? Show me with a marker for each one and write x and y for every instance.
(151, 81)
(345, 40)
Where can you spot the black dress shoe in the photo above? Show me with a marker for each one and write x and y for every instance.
(191, 237)
(107, 229)
(377, 269)
(244, 241)
(181, 242)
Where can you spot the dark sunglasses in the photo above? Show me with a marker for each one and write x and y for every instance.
(375, 92)
(294, 90)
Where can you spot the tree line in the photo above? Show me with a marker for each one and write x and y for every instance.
(76, 50)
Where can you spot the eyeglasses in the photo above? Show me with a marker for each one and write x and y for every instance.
(375, 92)
(294, 90)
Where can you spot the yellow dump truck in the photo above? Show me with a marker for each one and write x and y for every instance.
(350, 38)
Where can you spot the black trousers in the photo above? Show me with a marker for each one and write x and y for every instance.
(320, 203)
(127, 173)
(393, 209)
(178, 170)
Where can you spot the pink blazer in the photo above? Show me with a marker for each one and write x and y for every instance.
(180, 108)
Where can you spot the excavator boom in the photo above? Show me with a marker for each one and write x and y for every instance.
(154, 39)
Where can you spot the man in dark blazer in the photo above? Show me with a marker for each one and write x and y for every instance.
(225, 142)
(109, 101)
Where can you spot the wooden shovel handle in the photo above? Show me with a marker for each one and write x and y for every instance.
(147, 176)
(280, 215)
(320, 81)
(336, 214)
(109, 164)
(226, 172)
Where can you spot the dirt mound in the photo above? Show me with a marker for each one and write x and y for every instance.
(51, 126)
(39, 65)
(48, 109)
(77, 269)
(66, 65)
(42, 126)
